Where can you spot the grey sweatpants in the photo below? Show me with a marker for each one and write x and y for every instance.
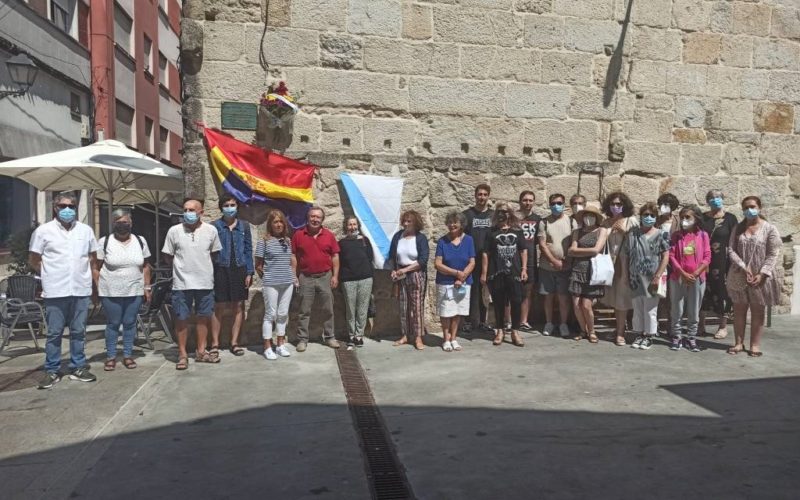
(357, 295)
(685, 296)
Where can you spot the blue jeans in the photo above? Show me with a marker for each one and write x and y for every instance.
(120, 311)
(61, 312)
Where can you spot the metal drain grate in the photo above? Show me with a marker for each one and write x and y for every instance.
(385, 473)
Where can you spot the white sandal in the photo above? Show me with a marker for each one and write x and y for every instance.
(721, 333)
(456, 346)
(447, 346)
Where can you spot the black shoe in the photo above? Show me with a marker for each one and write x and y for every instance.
(358, 342)
(351, 342)
(83, 374)
(50, 379)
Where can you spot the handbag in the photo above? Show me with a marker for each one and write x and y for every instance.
(371, 307)
(602, 269)
(662, 286)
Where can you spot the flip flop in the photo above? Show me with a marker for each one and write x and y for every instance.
(183, 363)
(735, 349)
(755, 354)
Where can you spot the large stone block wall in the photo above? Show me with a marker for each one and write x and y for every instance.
(658, 95)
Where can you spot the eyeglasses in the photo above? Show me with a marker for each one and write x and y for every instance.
(65, 205)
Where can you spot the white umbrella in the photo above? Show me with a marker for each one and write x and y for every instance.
(107, 166)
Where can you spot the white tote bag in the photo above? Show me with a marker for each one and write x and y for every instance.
(602, 269)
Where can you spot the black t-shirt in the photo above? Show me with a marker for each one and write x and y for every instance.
(355, 259)
(529, 225)
(504, 248)
(478, 226)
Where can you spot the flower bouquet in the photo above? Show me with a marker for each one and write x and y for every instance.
(278, 105)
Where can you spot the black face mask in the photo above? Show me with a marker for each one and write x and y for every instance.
(122, 228)
(502, 216)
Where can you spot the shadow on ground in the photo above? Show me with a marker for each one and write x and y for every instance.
(746, 447)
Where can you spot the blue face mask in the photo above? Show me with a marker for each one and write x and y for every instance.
(557, 209)
(648, 221)
(229, 211)
(715, 203)
(66, 214)
(751, 213)
(190, 217)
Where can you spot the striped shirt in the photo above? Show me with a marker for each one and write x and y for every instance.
(277, 255)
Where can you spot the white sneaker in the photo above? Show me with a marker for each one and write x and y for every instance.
(447, 346)
(549, 328)
(564, 330)
(283, 351)
(456, 345)
(270, 354)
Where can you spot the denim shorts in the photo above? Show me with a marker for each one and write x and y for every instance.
(184, 300)
(553, 282)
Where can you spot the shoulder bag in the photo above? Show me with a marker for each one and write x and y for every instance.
(602, 269)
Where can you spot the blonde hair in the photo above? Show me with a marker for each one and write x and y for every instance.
(271, 216)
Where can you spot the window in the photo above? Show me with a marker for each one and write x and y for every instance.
(123, 25)
(163, 70)
(148, 135)
(83, 24)
(59, 15)
(148, 55)
(163, 137)
(125, 129)
(75, 105)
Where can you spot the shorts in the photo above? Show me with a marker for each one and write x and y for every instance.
(553, 282)
(183, 301)
(450, 303)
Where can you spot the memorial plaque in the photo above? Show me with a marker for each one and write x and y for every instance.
(239, 115)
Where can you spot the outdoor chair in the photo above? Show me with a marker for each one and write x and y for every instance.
(154, 310)
(19, 307)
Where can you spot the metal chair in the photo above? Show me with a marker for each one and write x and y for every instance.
(154, 310)
(19, 307)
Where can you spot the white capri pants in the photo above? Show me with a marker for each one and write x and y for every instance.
(277, 299)
(645, 314)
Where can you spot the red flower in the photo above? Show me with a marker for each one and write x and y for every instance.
(282, 89)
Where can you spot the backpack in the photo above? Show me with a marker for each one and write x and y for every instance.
(105, 245)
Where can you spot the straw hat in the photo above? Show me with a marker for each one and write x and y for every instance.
(590, 210)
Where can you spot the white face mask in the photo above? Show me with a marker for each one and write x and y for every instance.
(589, 220)
(687, 223)
(577, 208)
(664, 209)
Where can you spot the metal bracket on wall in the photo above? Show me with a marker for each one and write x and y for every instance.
(593, 169)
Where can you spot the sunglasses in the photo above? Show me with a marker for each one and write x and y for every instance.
(557, 204)
(648, 214)
(65, 205)
(616, 203)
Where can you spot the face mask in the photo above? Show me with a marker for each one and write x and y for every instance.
(66, 214)
(229, 211)
(577, 208)
(715, 203)
(687, 223)
(589, 220)
(648, 221)
(664, 209)
(502, 216)
(190, 217)
(122, 228)
(616, 210)
(750, 213)
(557, 209)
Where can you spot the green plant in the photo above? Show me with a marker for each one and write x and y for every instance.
(18, 245)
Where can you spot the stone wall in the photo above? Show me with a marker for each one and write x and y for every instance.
(646, 96)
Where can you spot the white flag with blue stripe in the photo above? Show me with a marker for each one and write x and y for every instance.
(376, 202)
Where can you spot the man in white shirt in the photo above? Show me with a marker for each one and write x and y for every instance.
(63, 251)
(189, 247)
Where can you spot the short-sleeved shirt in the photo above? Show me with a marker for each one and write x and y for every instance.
(455, 257)
(314, 253)
(122, 274)
(277, 255)
(478, 226)
(504, 247)
(192, 267)
(530, 225)
(65, 258)
(558, 236)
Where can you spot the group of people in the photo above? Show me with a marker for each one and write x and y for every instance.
(685, 261)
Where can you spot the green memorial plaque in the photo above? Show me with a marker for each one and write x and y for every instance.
(239, 115)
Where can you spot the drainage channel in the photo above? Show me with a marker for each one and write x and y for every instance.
(385, 473)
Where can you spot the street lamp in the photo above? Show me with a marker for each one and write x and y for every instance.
(23, 73)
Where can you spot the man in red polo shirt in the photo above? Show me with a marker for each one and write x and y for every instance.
(317, 253)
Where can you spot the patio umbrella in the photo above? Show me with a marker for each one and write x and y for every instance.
(107, 166)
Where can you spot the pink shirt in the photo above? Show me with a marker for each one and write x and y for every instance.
(688, 251)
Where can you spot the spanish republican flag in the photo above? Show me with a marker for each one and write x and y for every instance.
(252, 174)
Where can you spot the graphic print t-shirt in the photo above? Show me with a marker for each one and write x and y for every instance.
(529, 226)
(478, 226)
(504, 247)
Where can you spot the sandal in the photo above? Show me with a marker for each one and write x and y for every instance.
(183, 363)
(721, 333)
(402, 341)
(593, 338)
(498, 337)
(129, 363)
(110, 365)
(236, 350)
(735, 349)
(204, 357)
(213, 354)
(620, 341)
(755, 354)
(517, 340)
(419, 345)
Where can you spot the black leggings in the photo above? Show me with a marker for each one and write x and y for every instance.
(505, 288)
